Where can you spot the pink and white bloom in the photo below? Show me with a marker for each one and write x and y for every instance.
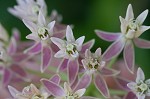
(131, 29)
(41, 33)
(69, 51)
(141, 87)
(29, 9)
(95, 67)
(64, 93)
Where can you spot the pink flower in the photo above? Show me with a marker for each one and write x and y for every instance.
(141, 87)
(131, 29)
(95, 67)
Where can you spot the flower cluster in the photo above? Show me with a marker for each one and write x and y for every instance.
(53, 57)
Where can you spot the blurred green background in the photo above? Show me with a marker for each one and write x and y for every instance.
(87, 15)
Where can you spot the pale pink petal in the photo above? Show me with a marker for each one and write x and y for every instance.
(131, 85)
(73, 68)
(33, 36)
(114, 49)
(6, 76)
(35, 49)
(87, 45)
(140, 75)
(98, 52)
(84, 81)
(107, 36)
(121, 82)
(79, 42)
(63, 65)
(142, 17)
(88, 53)
(46, 58)
(129, 56)
(59, 42)
(80, 92)
(13, 91)
(130, 95)
(129, 13)
(109, 72)
(16, 33)
(32, 26)
(12, 48)
(101, 85)
(41, 19)
(60, 54)
(56, 79)
(51, 28)
(19, 71)
(20, 57)
(69, 34)
(141, 43)
(53, 88)
(124, 25)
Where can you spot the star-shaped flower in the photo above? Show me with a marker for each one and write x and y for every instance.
(141, 87)
(131, 29)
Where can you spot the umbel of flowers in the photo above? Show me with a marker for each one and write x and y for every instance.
(52, 64)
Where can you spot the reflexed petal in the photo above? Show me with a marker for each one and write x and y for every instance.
(51, 28)
(140, 75)
(46, 58)
(35, 49)
(121, 82)
(141, 30)
(79, 42)
(12, 48)
(107, 36)
(63, 65)
(98, 52)
(59, 42)
(142, 17)
(6, 76)
(114, 49)
(141, 43)
(32, 26)
(56, 79)
(101, 85)
(73, 68)
(109, 72)
(132, 85)
(87, 45)
(129, 13)
(69, 34)
(60, 54)
(19, 71)
(13, 91)
(53, 88)
(129, 56)
(80, 92)
(130, 95)
(41, 19)
(84, 82)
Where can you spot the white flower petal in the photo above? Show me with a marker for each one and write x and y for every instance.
(141, 30)
(129, 13)
(51, 28)
(131, 85)
(124, 24)
(79, 43)
(142, 17)
(140, 75)
(41, 19)
(60, 54)
(80, 92)
(69, 34)
(59, 42)
(67, 88)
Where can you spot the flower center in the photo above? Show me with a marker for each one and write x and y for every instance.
(72, 50)
(43, 33)
(133, 25)
(35, 9)
(142, 88)
(38, 97)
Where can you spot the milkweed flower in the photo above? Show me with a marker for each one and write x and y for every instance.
(28, 9)
(95, 67)
(70, 51)
(131, 29)
(10, 60)
(41, 33)
(141, 87)
(64, 93)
